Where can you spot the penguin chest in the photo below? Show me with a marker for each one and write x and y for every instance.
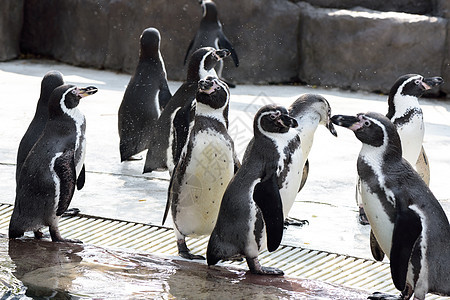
(292, 180)
(411, 136)
(379, 220)
(209, 169)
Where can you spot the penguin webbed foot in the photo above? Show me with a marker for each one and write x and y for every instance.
(38, 234)
(184, 252)
(57, 238)
(383, 296)
(256, 268)
(71, 212)
(363, 217)
(295, 222)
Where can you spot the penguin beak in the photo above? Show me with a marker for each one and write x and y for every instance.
(331, 128)
(351, 122)
(222, 53)
(287, 121)
(90, 90)
(430, 82)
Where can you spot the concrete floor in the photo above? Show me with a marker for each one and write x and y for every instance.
(120, 190)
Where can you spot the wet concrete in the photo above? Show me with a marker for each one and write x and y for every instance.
(71, 271)
(120, 190)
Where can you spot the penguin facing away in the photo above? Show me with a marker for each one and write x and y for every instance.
(210, 34)
(146, 94)
(53, 167)
(207, 164)
(310, 111)
(170, 131)
(407, 221)
(51, 80)
(251, 213)
(405, 113)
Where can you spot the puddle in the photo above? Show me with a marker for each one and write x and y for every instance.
(46, 270)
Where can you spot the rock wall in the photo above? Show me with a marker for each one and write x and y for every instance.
(319, 42)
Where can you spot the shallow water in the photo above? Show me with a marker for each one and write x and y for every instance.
(47, 270)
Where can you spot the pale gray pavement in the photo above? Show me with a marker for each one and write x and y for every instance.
(120, 190)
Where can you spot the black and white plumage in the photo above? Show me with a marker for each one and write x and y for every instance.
(146, 94)
(207, 164)
(408, 224)
(210, 34)
(171, 129)
(251, 214)
(53, 167)
(310, 111)
(51, 80)
(405, 113)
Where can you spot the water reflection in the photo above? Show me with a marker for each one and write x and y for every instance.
(71, 271)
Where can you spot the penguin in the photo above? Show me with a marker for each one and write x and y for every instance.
(171, 129)
(407, 221)
(53, 167)
(51, 80)
(146, 94)
(207, 164)
(210, 34)
(251, 213)
(406, 114)
(310, 111)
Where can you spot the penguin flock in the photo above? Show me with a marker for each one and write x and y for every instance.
(242, 205)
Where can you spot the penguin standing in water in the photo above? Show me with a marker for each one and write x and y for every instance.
(405, 113)
(145, 94)
(251, 213)
(51, 80)
(206, 166)
(407, 221)
(53, 167)
(170, 132)
(210, 34)
(310, 111)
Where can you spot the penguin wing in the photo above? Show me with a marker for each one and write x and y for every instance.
(169, 195)
(407, 229)
(164, 94)
(188, 51)
(375, 248)
(225, 43)
(64, 168)
(183, 120)
(81, 179)
(304, 175)
(267, 196)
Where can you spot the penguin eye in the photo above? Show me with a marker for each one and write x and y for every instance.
(74, 91)
(367, 123)
(417, 82)
(273, 116)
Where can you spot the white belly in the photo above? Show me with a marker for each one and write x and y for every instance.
(412, 139)
(378, 219)
(210, 170)
(289, 190)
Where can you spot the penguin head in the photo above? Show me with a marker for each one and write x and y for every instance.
(213, 92)
(313, 106)
(67, 97)
(372, 129)
(273, 119)
(209, 9)
(150, 41)
(203, 61)
(51, 80)
(414, 85)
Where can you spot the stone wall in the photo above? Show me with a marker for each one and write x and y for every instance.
(278, 41)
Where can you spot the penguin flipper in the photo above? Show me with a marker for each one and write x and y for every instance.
(423, 167)
(304, 175)
(164, 94)
(81, 179)
(407, 229)
(169, 198)
(188, 51)
(225, 43)
(65, 170)
(375, 248)
(267, 196)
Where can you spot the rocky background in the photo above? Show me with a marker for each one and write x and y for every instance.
(352, 44)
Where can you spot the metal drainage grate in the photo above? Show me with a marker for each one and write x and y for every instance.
(334, 268)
